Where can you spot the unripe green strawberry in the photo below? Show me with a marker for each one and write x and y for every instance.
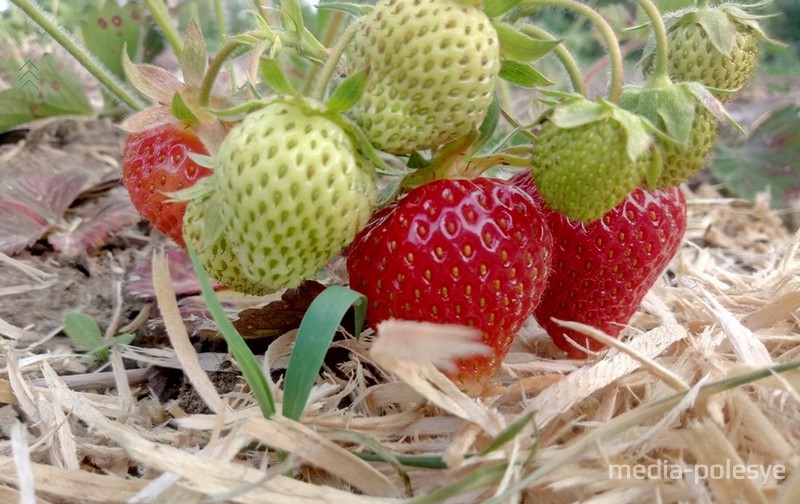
(588, 157)
(201, 233)
(681, 160)
(293, 189)
(716, 46)
(433, 65)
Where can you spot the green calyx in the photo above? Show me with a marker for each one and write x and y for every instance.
(578, 111)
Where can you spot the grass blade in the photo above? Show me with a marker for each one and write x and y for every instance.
(314, 337)
(238, 348)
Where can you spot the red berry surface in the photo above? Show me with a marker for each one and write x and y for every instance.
(155, 162)
(603, 269)
(469, 252)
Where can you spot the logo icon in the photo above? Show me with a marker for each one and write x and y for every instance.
(28, 76)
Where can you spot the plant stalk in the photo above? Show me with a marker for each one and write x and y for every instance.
(158, 10)
(337, 18)
(334, 56)
(606, 31)
(661, 71)
(213, 70)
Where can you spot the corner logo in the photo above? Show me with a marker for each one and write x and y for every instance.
(28, 77)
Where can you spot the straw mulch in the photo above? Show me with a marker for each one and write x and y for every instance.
(727, 306)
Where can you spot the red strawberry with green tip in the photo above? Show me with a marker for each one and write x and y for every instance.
(468, 252)
(603, 269)
(155, 162)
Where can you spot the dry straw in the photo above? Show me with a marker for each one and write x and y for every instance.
(649, 402)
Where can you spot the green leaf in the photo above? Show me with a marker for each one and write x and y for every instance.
(349, 8)
(182, 111)
(522, 75)
(83, 330)
(314, 337)
(152, 81)
(272, 73)
(639, 138)
(719, 27)
(390, 191)
(361, 142)
(59, 93)
(124, 339)
(107, 28)
(474, 480)
(670, 108)
(194, 58)
(236, 345)
(768, 159)
(578, 112)
(517, 46)
(348, 93)
(508, 434)
(292, 17)
(488, 126)
(496, 8)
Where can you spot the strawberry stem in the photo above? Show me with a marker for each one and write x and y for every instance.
(661, 72)
(337, 18)
(334, 55)
(159, 13)
(606, 31)
(214, 67)
(563, 55)
(79, 52)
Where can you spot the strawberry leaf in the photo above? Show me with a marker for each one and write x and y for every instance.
(273, 75)
(488, 126)
(83, 330)
(153, 82)
(20, 226)
(51, 90)
(522, 75)
(517, 46)
(109, 29)
(194, 58)
(497, 8)
(720, 29)
(671, 108)
(181, 110)
(767, 159)
(97, 223)
(348, 93)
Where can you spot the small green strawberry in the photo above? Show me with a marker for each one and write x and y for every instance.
(432, 64)
(682, 160)
(202, 232)
(293, 190)
(588, 156)
(686, 116)
(716, 46)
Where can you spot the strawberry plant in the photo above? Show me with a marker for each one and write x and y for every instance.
(385, 139)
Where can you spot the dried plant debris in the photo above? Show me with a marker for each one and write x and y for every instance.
(651, 419)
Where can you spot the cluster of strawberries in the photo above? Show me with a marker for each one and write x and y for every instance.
(581, 234)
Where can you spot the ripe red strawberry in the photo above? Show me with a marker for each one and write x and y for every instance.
(469, 252)
(155, 162)
(603, 269)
